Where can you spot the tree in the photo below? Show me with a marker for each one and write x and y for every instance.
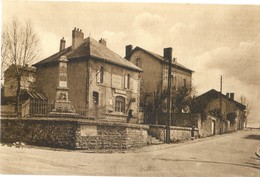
(181, 98)
(244, 101)
(19, 48)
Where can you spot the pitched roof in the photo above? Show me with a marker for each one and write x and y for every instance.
(159, 57)
(36, 95)
(90, 48)
(213, 94)
(20, 68)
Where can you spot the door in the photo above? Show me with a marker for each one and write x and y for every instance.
(213, 127)
(95, 103)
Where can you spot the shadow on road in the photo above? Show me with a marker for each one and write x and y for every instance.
(247, 164)
(255, 158)
(253, 137)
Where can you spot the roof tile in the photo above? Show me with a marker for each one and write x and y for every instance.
(93, 49)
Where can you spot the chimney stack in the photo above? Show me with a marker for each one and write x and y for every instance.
(128, 50)
(77, 38)
(227, 94)
(232, 96)
(167, 53)
(62, 44)
(103, 41)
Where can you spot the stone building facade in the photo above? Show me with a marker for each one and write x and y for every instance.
(99, 80)
(220, 113)
(155, 75)
(10, 81)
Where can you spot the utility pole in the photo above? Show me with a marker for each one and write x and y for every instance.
(221, 78)
(220, 99)
(169, 103)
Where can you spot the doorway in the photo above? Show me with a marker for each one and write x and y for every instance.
(213, 127)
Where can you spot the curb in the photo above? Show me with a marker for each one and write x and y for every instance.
(186, 142)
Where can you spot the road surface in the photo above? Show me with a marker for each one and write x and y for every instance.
(222, 155)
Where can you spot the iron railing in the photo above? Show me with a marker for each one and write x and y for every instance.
(35, 108)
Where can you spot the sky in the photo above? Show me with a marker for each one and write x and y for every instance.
(212, 40)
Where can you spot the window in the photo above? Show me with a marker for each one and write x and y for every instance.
(95, 98)
(127, 81)
(184, 83)
(100, 75)
(172, 79)
(139, 62)
(120, 104)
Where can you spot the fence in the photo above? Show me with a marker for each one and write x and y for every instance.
(35, 108)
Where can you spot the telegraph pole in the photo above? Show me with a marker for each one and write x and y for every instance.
(221, 78)
(220, 99)
(169, 103)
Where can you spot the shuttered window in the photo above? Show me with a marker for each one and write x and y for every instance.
(127, 81)
(100, 75)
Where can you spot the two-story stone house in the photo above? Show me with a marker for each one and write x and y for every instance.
(154, 79)
(155, 75)
(98, 79)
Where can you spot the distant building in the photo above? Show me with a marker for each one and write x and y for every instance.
(98, 79)
(219, 113)
(10, 81)
(155, 75)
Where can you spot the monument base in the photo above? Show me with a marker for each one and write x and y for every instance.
(63, 114)
(63, 108)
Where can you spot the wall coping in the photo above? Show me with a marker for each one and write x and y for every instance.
(81, 122)
(172, 127)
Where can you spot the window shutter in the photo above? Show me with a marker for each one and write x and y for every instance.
(98, 76)
(126, 81)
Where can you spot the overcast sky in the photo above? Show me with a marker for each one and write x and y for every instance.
(212, 40)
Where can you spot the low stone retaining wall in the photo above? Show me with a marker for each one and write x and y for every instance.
(73, 133)
(177, 133)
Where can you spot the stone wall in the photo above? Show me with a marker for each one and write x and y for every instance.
(177, 133)
(39, 132)
(228, 107)
(211, 126)
(181, 119)
(186, 120)
(73, 134)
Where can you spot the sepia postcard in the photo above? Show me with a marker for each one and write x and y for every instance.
(130, 89)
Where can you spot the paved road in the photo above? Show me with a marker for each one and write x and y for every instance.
(225, 155)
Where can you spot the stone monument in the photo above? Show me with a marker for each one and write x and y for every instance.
(62, 106)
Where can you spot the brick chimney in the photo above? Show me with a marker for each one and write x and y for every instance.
(128, 50)
(103, 41)
(227, 94)
(232, 96)
(62, 44)
(77, 38)
(167, 53)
